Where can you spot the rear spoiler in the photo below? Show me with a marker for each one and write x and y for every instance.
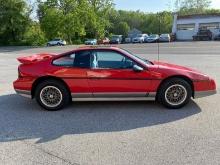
(34, 58)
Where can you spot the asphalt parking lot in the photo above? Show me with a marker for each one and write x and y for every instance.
(112, 133)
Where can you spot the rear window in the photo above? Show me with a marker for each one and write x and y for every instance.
(65, 61)
(79, 59)
(164, 35)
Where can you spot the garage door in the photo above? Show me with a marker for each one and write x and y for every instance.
(185, 31)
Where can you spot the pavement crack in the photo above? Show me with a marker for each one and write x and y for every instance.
(53, 155)
(46, 152)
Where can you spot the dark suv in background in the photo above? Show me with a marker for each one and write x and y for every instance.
(203, 35)
(116, 39)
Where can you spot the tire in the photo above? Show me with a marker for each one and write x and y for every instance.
(58, 44)
(48, 44)
(59, 96)
(174, 93)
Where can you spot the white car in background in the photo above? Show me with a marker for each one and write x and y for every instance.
(152, 38)
(165, 38)
(140, 38)
(57, 42)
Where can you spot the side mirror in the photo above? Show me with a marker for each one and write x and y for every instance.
(137, 68)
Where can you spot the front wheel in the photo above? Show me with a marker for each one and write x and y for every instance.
(52, 95)
(175, 93)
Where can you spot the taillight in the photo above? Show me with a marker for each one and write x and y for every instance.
(19, 73)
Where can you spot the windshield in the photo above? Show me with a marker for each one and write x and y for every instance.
(164, 35)
(138, 58)
(115, 37)
(91, 39)
(140, 35)
(153, 36)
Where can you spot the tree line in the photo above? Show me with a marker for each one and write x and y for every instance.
(76, 20)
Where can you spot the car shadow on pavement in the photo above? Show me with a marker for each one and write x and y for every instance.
(21, 118)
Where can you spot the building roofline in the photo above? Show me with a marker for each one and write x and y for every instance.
(198, 16)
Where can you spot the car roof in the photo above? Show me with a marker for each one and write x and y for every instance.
(92, 48)
(98, 48)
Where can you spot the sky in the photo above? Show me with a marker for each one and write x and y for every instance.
(144, 5)
(151, 5)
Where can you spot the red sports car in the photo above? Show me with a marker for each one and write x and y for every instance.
(107, 74)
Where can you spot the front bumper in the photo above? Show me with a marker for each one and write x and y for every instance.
(136, 41)
(114, 42)
(90, 43)
(150, 41)
(203, 88)
(200, 94)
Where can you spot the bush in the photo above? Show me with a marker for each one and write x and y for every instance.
(34, 36)
(77, 41)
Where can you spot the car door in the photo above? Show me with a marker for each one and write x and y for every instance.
(73, 68)
(53, 42)
(112, 75)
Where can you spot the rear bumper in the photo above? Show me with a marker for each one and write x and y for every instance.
(24, 93)
(200, 94)
(23, 86)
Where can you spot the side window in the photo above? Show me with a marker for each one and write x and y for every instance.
(82, 59)
(110, 60)
(79, 59)
(66, 61)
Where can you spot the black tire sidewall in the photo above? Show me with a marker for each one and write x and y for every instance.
(166, 85)
(60, 86)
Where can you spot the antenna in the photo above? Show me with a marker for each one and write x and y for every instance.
(158, 42)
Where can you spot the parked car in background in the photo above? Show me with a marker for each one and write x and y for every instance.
(165, 38)
(152, 38)
(128, 40)
(140, 38)
(104, 41)
(56, 42)
(217, 38)
(116, 39)
(91, 42)
(203, 35)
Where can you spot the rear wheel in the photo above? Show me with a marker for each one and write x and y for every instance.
(52, 95)
(174, 93)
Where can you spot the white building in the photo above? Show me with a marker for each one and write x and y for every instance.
(187, 26)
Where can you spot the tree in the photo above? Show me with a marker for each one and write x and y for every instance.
(14, 18)
(99, 17)
(51, 23)
(192, 6)
(197, 4)
(34, 35)
(122, 28)
(74, 19)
